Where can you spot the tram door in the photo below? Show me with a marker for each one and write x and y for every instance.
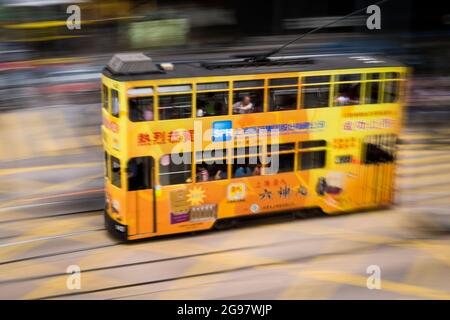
(377, 172)
(141, 198)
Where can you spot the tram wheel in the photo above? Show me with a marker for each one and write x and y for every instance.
(308, 213)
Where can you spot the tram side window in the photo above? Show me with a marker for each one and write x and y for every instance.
(114, 103)
(248, 101)
(115, 172)
(312, 159)
(347, 94)
(280, 163)
(141, 109)
(175, 169)
(210, 170)
(390, 91)
(246, 167)
(105, 97)
(212, 104)
(316, 96)
(379, 149)
(176, 106)
(281, 99)
(372, 92)
(139, 171)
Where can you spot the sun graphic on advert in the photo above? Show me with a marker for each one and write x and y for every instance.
(196, 196)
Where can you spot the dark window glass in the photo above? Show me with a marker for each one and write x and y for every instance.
(390, 91)
(280, 163)
(206, 171)
(107, 166)
(373, 76)
(175, 106)
(283, 81)
(347, 94)
(115, 172)
(175, 169)
(249, 83)
(139, 173)
(348, 77)
(316, 79)
(212, 104)
(379, 149)
(115, 103)
(312, 144)
(372, 90)
(281, 99)
(315, 96)
(212, 86)
(141, 109)
(312, 159)
(105, 97)
(248, 101)
(392, 75)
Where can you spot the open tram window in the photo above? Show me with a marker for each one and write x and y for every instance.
(115, 172)
(248, 101)
(280, 163)
(141, 109)
(139, 171)
(372, 92)
(347, 94)
(115, 103)
(390, 91)
(210, 171)
(175, 106)
(281, 99)
(212, 104)
(175, 169)
(246, 167)
(316, 158)
(316, 96)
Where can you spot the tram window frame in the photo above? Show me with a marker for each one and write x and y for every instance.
(143, 172)
(115, 102)
(316, 149)
(372, 96)
(174, 95)
(223, 110)
(273, 106)
(355, 90)
(116, 172)
(394, 94)
(137, 114)
(373, 153)
(244, 161)
(186, 172)
(283, 156)
(324, 101)
(250, 92)
(105, 97)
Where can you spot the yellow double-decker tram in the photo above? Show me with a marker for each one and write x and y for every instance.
(196, 144)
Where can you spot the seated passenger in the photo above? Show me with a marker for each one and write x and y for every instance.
(244, 106)
(148, 113)
(342, 100)
(240, 172)
(202, 175)
(257, 170)
(220, 174)
(200, 113)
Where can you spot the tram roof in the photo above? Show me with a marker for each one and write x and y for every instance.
(233, 67)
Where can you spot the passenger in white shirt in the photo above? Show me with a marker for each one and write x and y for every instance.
(244, 106)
